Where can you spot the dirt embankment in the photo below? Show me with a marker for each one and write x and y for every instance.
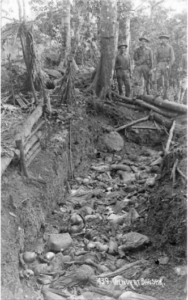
(25, 205)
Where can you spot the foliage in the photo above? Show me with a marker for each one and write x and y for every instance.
(151, 18)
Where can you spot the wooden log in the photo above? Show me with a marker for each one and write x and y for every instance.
(156, 109)
(145, 127)
(32, 150)
(33, 155)
(161, 120)
(132, 123)
(32, 141)
(127, 99)
(35, 130)
(141, 103)
(173, 106)
(130, 106)
(28, 124)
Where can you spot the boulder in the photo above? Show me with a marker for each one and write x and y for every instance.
(58, 242)
(113, 141)
(133, 240)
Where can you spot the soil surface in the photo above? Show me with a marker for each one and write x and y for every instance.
(31, 210)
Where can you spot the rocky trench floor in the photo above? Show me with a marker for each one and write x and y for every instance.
(97, 244)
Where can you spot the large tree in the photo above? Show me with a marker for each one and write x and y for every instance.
(109, 29)
(124, 12)
(65, 30)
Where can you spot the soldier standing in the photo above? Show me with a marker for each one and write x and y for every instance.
(123, 70)
(143, 57)
(164, 61)
(183, 82)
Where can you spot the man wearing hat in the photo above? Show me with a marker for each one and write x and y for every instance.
(123, 69)
(143, 57)
(164, 61)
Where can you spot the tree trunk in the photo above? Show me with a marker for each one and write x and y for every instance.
(116, 46)
(65, 30)
(105, 68)
(127, 31)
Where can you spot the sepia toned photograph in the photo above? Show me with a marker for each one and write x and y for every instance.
(93, 150)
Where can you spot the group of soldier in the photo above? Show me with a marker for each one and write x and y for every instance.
(148, 69)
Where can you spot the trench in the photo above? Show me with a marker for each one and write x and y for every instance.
(107, 203)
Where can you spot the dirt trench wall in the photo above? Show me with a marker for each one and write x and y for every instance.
(25, 205)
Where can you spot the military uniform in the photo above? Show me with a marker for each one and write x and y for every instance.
(143, 58)
(123, 70)
(164, 60)
(183, 82)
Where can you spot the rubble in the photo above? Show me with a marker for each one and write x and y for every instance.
(96, 233)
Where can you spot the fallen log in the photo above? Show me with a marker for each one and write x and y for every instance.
(161, 120)
(132, 123)
(158, 101)
(156, 109)
(127, 99)
(28, 124)
(142, 104)
(128, 105)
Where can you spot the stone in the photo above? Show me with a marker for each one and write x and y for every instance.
(155, 169)
(53, 73)
(113, 141)
(130, 188)
(59, 242)
(126, 176)
(163, 260)
(133, 240)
